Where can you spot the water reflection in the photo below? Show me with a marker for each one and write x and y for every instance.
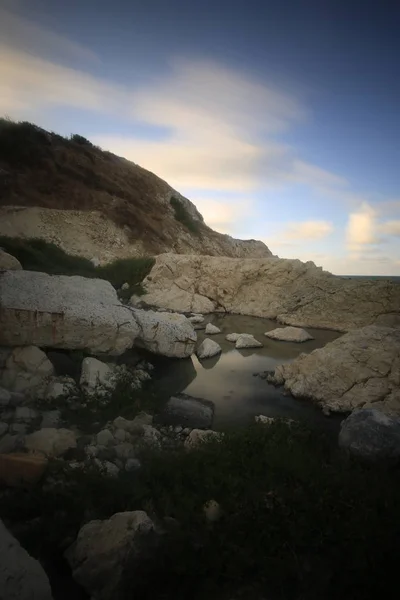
(228, 379)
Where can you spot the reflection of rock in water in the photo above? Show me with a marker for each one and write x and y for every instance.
(172, 376)
(209, 363)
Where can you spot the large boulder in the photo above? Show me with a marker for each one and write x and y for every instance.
(164, 333)
(289, 334)
(57, 311)
(21, 576)
(368, 433)
(187, 411)
(293, 292)
(359, 369)
(27, 369)
(9, 262)
(100, 554)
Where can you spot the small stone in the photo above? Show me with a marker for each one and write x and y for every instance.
(91, 451)
(195, 319)
(125, 286)
(151, 436)
(208, 348)
(25, 414)
(264, 420)
(132, 464)
(247, 341)
(5, 397)
(199, 436)
(212, 511)
(51, 418)
(120, 435)
(107, 467)
(178, 429)
(105, 437)
(186, 431)
(124, 450)
(21, 468)
(212, 329)
(3, 428)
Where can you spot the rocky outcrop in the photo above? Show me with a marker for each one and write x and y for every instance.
(370, 434)
(63, 312)
(289, 334)
(359, 369)
(21, 576)
(293, 292)
(101, 552)
(167, 334)
(8, 262)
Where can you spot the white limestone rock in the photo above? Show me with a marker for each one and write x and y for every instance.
(247, 341)
(9, 262)
(289, 334)
(207, 349)
(212, 329)
(168, 334)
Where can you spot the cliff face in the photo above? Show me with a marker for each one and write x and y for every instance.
(96, 204)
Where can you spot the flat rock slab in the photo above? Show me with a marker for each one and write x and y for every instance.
(370, 434)
(57, 311)
(289, 334)
(187, 411)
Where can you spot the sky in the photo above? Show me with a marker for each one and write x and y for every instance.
(279, 119)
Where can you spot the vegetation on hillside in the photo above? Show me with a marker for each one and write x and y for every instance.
(38, 255)
(183, 216)
(299, 520)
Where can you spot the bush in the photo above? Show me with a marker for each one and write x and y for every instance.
(79, 139)
(22, 144)
(299, 520)
(181, 214)
(39, 255)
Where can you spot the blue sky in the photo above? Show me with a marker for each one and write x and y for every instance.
(279, 119)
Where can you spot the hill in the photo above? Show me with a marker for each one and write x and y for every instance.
(95, 204)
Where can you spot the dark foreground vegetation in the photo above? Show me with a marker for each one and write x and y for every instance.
(38, 255)
(299, 520)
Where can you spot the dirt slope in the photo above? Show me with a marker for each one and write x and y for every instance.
(114, 207)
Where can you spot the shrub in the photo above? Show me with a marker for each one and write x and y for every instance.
(39, 255)
(299, 521)
(22, 144)
(182, 215)
(79, 139)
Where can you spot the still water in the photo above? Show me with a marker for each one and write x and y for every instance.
(228, 379)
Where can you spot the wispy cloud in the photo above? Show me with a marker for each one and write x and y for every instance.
(390, 228)
(361, 228)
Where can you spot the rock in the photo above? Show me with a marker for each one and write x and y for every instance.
(120, 435)
(289, 334)
(178, 429)
(105, 437)
(50, 418)
(208, 348)
(96, 376)
(9, 262)
(125, 450)
(59, 387)
(26, 414)
(27, 370)
(125, 286)
(164, 333)
(102, 549)
(5, 397)
(134, 426)
(187, 411)
(57, 311)
(132, 464)
(370, 434)
(247, 341)
(107, 467)
(212, 511)
(233, 337)
(212, 329)
(10, 443)
(151, 436)
(50, 441)
(196, 319)
(91, 451)
(198, 436)
(293, 292)
(264, 420)
(19, 468)
(359, 369)
(21, 576)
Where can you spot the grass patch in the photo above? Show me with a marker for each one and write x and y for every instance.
(39, 255)
(182, 215)
(22, 143)
(300, 521)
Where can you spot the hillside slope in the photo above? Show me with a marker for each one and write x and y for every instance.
(96, 204)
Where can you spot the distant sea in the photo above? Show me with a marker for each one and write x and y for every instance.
(394, 279)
